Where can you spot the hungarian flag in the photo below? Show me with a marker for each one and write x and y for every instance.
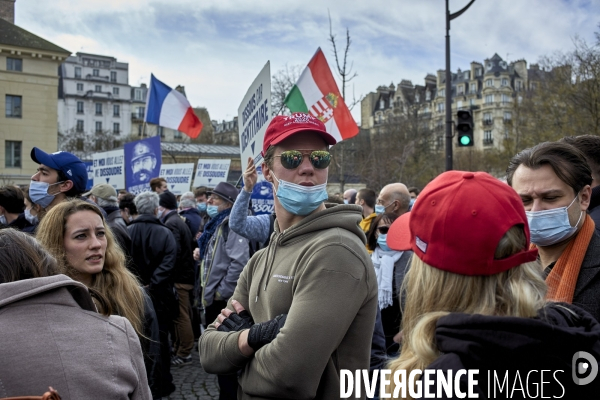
(317, 93)
(169, 108)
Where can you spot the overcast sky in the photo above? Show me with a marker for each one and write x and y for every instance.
(215, 48)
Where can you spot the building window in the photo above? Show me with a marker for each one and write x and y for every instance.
(488, 138)
(161, 131)
(116, 91)
(466, 75)
(98, 108)
(459, 104)
(113, 76)
(79, 126)
(96, 72)
(98, 88)
(77, 72)
(519, 85)
(116, 128)
(417, 98)
(440, 142)
(80, 87)
(473, 88)
(14, 64)
(489, 82)
(507, 116)
(177, 135)
(116, 110)
(79, 144)
(441, 107)
(461, 89)
(489, 98)
(505, 99)
(98, 126)
(80, 107)
(12, 154)
(140, 130)
(137, 93)
(13, 106)
(504, 82)
(442, 92)
(471, 102)
(477, 71)
(141, 111)
(533, 85)
(487, 118)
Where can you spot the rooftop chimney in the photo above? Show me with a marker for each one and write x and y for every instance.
(7, 10)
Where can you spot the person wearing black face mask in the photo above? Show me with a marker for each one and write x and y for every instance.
(553, 180)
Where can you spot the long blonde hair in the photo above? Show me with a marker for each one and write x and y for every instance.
(116, 283)
(432, 293)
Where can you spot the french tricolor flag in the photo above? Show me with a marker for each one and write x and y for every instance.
(169, 108)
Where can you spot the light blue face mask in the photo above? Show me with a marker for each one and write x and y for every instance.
(549, 227)
(380, 209)
(212, 210)
(381, 241)
(298, 199)
(38, 192)
(33, 219)
(201, 207)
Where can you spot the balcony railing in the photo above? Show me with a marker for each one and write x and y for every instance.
(137, 117)
(488, 141)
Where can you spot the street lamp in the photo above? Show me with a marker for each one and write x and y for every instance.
(448, 94)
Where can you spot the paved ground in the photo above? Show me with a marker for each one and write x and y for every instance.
(193, 383)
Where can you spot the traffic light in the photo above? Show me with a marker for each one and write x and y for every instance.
(464, 127)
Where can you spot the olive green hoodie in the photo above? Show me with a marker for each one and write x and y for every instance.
(319, 273)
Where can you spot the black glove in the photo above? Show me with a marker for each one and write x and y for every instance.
(236, 322)
(264, 332)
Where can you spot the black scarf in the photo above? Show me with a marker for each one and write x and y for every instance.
(209, 230)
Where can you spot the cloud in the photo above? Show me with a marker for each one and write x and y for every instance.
(216, 48)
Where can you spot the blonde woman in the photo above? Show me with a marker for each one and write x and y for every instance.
(475, 299)
(76, 234)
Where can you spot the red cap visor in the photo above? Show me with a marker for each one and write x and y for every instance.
(398, 237)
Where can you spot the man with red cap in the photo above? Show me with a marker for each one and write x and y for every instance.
(305, 306)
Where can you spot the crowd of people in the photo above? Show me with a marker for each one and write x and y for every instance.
(102, 292)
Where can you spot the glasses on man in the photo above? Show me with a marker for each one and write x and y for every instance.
(292, 159)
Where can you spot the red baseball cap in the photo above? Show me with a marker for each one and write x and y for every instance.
(457, 222)
(284, 126)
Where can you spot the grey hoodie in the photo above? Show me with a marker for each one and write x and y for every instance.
(52, 336)
(319, 273)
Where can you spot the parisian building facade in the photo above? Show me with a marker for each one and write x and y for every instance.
(488, 89)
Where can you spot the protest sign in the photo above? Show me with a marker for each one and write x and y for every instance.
(109, 168)
(178, 176)
(210, 172)
(254, 115)
(89, 166)
(142, 163)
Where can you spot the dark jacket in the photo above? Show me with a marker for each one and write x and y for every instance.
(154, 252)
(184, 265)
(21, 224)
(505, 345)
(193, 220)
(119, 229)
(587, 289)
(594, 207)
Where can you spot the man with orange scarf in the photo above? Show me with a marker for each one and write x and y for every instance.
(553, 180)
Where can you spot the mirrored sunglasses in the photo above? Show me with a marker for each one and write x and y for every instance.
(292, 159)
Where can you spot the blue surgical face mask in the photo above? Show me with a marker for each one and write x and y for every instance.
(3, 220)
(380, 209)
(201, 207)
(549, 227)
(212, 210)
(298, 199)
(33, 219)
(345, 201)
(381, 241)
(160, 212)
(38, 191)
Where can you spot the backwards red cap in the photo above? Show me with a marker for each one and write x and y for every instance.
(457, 222)
(284, 126)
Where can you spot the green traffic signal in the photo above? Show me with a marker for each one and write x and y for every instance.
(465, 140)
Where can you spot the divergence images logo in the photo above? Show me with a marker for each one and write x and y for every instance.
(584, 364)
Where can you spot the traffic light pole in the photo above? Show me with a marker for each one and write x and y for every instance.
(448, 94)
